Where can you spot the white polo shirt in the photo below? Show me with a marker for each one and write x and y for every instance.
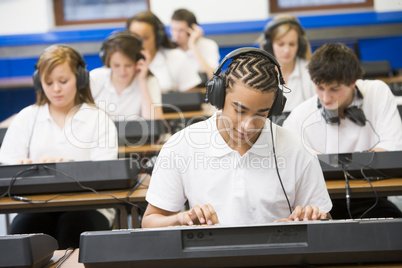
(209, 51)
(383, 129)
(299, 81)
(125, 106)
(173, 70)
(89, 135)
(197, 165)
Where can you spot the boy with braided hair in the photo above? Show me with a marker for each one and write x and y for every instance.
(237, 167)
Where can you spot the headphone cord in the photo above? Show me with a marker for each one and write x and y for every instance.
(347, 191)
(276, 166)
(13, 180)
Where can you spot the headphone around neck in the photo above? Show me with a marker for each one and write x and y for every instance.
(113, 36)
(82, 72)
(216, 90)
(354, 113)
(267, 42)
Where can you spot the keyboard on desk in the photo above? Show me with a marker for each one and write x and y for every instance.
(374, 164)
(26, 250)
(294, 243)
(68, 176)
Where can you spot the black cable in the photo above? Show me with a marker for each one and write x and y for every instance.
(89, 188)
(137, 185)
(62, 258)
(347, 191)
(277, 170)
(365, 178)
(13, 180)
(372, 187)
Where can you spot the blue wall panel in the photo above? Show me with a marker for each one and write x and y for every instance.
(13, 101)
(382, 49)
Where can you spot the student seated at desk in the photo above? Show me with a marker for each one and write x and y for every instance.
(202, 52)
(348, 115)
(125, 88)
(168, 63)
(237, 167)
(285, 38)
(63, 125)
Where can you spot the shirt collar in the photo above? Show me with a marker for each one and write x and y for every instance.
(219, 147)
(80, 115)
(297, 70)
(43, 113)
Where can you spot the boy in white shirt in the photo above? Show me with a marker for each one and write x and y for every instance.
(348, 115)
(236, 167)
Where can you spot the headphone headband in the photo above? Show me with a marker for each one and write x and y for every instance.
(243, 50)
(277, 22)
(118, 34)
(82, 72)
(216, 90)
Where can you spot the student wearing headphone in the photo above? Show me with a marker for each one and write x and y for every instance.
(347, 114)
(125, 88)
(237, 167)
(63, 125)
(188, 35)
(168, 64)
(286, 39)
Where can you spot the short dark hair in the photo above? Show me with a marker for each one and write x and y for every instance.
(185, 15)
(253, 70)
(161, 38)
(334, 62)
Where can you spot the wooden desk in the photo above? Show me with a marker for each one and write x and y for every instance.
(361, 188)
(70, 202)
(72, 262)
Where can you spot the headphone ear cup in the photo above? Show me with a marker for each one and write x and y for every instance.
(102, 55)
(278, 105)
(267, 45)
(301, 51)
(216, 91)
(36, 80)
(160, 34)
(82, 78)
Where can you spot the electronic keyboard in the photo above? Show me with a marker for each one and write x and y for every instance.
(26, 250)
(374, 164)
(68, 176)
(175, 102)
(292, 243)
(139, 132)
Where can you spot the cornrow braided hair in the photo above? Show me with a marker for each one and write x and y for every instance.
(254, 71)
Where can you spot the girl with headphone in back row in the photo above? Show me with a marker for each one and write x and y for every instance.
(168, 64)
(63, 125)
(126, 87)
(285, 38)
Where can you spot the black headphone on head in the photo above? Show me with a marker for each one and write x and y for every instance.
(354, 112)
(267, 42)
(82, 75)
(216, 91)
(113, 36)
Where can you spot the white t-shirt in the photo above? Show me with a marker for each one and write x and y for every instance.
(125, 106)
(383, 127)
(89, 135)
(300, 84)
(197, 165)
(209, 51)
(173, 70)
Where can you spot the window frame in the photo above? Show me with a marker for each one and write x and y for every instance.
(58, 12)
(274, 6)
